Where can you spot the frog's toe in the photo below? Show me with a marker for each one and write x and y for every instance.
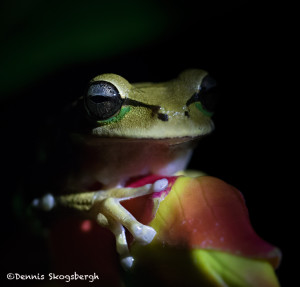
(127, 262)
(160, 185)
(144, 234)
(46, 203)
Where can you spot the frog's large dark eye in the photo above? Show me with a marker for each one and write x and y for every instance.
(206, 95)
(102, 100)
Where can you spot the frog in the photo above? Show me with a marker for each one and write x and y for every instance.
(129, 131)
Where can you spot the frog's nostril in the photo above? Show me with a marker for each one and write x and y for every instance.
(163, 117)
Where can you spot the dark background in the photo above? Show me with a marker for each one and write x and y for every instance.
(239, 42)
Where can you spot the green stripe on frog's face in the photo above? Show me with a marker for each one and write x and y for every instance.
(204, 111)
(118, 117)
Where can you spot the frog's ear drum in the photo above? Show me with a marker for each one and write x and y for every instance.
(102, 100)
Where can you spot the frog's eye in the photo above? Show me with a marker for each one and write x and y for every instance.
(206, 97)
(207, 93)
(102, 100)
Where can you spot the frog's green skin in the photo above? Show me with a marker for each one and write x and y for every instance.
(159, 111)
(135, 130)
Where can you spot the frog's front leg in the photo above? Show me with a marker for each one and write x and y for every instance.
(105, 208)
(108, 203)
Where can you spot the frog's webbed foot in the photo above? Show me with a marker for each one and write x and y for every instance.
(112, 209)
(105, 207)
(115, 217)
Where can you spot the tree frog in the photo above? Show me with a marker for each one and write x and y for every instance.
(127, 131)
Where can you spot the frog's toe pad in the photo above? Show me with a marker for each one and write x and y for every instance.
(142, 233)
(127, 262)
(46, 203)
(160, 185)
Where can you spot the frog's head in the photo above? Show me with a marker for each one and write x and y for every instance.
(174, 109)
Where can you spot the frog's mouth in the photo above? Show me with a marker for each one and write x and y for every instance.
(95, 140)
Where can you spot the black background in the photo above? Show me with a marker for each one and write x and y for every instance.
(240, 44)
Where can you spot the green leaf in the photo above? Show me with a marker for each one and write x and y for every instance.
(225, 269)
